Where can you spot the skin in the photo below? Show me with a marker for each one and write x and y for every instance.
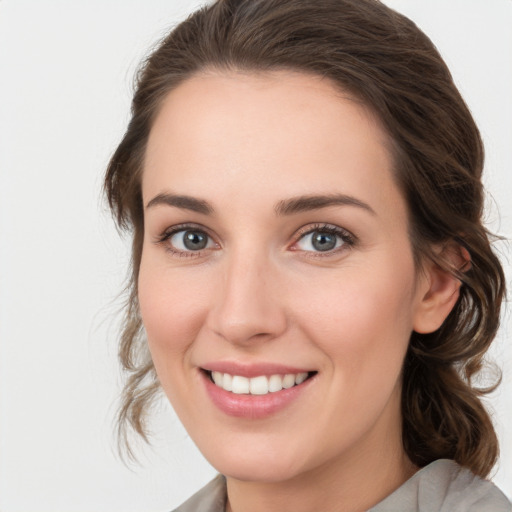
(260, 291)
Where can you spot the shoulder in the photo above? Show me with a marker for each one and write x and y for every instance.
(444, 486)
(211, 498)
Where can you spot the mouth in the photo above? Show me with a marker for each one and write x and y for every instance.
(258, 385)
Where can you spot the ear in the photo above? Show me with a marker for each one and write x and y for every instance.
(439, 289)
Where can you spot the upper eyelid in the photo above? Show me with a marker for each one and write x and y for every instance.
(176, 228)
(311, 228)
(306, 228)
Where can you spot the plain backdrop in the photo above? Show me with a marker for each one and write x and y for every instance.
(66, 69)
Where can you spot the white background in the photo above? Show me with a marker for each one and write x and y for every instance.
(66, 70)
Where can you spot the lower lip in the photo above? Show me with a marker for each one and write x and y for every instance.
(253, 406)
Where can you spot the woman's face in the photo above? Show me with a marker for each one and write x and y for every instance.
(276, 244)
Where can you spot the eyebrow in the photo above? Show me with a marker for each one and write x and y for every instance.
(316, 202)
(179, 201)
(290, 206)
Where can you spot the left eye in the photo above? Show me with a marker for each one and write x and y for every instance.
(320, 240)
(190, 240)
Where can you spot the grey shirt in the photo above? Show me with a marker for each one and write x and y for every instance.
(442, 486)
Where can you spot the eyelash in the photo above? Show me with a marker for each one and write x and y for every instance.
(347, 238)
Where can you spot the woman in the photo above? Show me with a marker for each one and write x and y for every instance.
(310, 272)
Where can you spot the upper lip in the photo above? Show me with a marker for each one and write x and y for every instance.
(252, 369)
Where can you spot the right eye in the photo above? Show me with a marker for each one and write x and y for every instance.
(187, 241)
(190, 240)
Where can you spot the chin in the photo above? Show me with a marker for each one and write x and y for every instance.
(269, 466)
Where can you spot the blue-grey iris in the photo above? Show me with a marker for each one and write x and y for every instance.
(322, 241)
(195, 240)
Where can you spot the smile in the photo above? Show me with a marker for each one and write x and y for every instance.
(261, 391)
(259, 385)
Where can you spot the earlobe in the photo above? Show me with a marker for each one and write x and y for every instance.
(440, 289)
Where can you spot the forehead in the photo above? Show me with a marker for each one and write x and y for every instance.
(274, 133)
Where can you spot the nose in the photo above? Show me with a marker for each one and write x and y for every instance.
(249, 306)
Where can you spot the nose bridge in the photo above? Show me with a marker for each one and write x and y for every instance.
(248, 306)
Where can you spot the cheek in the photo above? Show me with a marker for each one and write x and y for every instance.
(363, 326)
(363, 319)
(172, 312)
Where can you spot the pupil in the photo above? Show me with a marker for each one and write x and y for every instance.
(194, 240)
(323, 241)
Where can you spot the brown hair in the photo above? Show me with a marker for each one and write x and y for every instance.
(382, 58)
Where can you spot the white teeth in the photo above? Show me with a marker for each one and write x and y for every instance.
(240, 385)
(300, 378)
(275, 383)
(227, 382)
(217, 378)
(288, 380)
(260, 385)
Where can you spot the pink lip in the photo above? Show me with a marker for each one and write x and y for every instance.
(251, 369)
(253, 406)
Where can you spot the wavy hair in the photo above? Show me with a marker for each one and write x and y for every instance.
(383, 59)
